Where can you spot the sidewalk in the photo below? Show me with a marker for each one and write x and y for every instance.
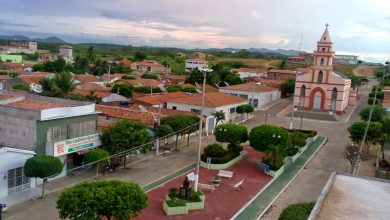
(261, 203)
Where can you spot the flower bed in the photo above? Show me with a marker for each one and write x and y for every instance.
(224, 165)
(173, 205)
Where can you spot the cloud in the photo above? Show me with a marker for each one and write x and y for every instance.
(13, 24)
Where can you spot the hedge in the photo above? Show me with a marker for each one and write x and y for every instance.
(298, 211)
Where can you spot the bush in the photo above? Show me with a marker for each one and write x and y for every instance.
(146, 89)
(149, 76)
(96, 154)
(291, 151)
(371, 101)
(124, 90)
(174, 88)
(215, 150)
(263, 137)
(235, 148)
(3, 73)
(175, 203)
(299, 211)
(128, 77)
(21, 86)
(77, 97)
(298, 138)
(14, 74)
(231, 133)
(189, 90)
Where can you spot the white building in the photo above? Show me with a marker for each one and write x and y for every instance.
(345, 59)
(192, 64)
(213, 102)
(250, 72)
(66, 53)
(261, 94)
(28, 47)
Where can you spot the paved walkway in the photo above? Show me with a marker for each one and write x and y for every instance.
(264, 200)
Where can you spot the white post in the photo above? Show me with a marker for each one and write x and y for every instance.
(196, 182)
(158, 123)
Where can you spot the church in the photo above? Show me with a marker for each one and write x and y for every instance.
(322, 88)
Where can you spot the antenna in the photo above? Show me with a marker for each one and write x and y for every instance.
(300, 42)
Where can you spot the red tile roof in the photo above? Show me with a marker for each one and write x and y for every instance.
(4, 77)
(31, 78)
(86, 89)
(150, 63)
(249, 87)
(112, 76)
(36, 105)
(141, 82)
(159, 99)
(85, 78)
(250, 70)
(213, 99)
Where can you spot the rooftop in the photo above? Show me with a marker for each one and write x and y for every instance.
(36, 105)
(141, 82)
(353, 197)
(85, 78)
(249, 87)
(160, 98)
(250, 70)
(212, 99)
(283, 71)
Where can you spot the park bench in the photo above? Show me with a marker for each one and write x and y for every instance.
(224, 173)
(238, 185)
(207, 186)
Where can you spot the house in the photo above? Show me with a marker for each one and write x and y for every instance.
(111, 78)
(66, 53)
(14, 46)
(179, 54)
(302, 58)
(15, 67)
(346, 196)
(174, 79)
(46, 126)
(257, 94)
(118, 60)
(192, 64)
(323, 89)
(87, 89)
(158, 99)
(141, 82)
(345, 59)
(213, 102)
(150, 66)
(200, 55)
(86, 78)
(250, 72)
(283, 74)
(46, 57)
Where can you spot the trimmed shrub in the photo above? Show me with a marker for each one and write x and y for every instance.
(215, 150)
(77, 97)
(149, 76)
(174, 88)
(218, 154)
(124, 90)
(96, 154)
(298, 211)
(128, 77)
(231, 133)
(291, 151)
(263, 137)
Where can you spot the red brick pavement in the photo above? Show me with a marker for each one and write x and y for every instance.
(221, 204)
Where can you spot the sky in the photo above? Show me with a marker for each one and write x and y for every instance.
(360, 27)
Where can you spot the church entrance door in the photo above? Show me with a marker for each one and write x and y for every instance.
(317, 101)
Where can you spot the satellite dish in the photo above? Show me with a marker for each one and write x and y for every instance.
(36, 88)
(227, 84)
(197, 90)
(142, 108)
(162, 88)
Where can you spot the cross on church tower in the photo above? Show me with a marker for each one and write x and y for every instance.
(326, 25)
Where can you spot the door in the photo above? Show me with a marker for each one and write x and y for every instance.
(317, 101)
(211, 125)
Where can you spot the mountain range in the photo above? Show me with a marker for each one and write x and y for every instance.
(21, 37)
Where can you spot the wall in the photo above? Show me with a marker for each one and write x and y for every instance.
(18, 127)
(264, 97)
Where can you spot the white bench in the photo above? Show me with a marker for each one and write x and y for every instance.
(224, 173)
(206, 186)
(238, 185)
(191, 177)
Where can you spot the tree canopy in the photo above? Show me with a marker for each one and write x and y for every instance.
(231, 133)
(124, 90)
(63, 84)
(357, 129)
(219, 116)
(263, 137)
(288, 87)
(98, 199)
(378, 113)
(125, 135)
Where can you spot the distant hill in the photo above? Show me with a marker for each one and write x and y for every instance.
(21, 37)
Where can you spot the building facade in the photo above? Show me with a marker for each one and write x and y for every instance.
(322, 89)
(66, 53)
(192, 64)
(12, 46)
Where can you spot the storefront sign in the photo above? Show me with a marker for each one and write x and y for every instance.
(76, 144)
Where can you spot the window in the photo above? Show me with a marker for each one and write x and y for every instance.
(80, 129)
(256, 102)
(232, 110)
(17, 181)
(323, 49)
(320, 76)
(174, 107)
(302, 96)
(243, 96)
(322, 61)
(195, 110)
(334, 99)
(57, 133)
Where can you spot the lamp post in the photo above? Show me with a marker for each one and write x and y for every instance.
(196, 183)
(292, 116)
(300, 126)
(265, 119)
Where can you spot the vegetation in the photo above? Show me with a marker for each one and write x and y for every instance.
(287, 88)
(125, 135)
(63, 84)
(149, 76)
(179, 88)
(378, 113)
(218, 154)
(219, 117)
(128, 77)
(21, 86)
(274, 156)
(147, 89)
(42, 167)
(99, 155)
(122, 89)
(181, 124)
(220, 75)
(298, 211)
(231, 133)
(99, 199)
(175, 200)
(264, 137)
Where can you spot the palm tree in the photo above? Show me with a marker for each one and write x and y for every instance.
(63, 84)
(91, 55)
(275, 156)
(219, 116)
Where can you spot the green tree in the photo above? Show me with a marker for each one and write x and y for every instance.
(149, 76)
(263, 137)
(122, 89)
(96, 200)
(80, 65)
(378, 113)
(63, 84)
(241, 110)
(274, 156)
(138, 55)
(181, 124)
(163, 131)
(125, 135)
(99, 155)
(219, 116)
(288, 87)
(42, 167)
(91, 54)
(100, 67)
(374, 134)
(248, 109)
(231, 133)
(282, 64)
(298, 211)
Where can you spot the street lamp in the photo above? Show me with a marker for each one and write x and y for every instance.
(196, 183)
(265, 119)
(295, 108)
(300, 126)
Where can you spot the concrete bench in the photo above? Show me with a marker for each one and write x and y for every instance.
(206, 186)
(238, 185)
(224, 173)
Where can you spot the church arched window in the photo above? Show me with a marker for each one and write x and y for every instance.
(320, 76)
(322, 61)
